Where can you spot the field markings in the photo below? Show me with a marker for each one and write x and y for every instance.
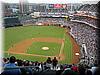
(23, 46)
(61, 54)
(9, 52)
(75, 49)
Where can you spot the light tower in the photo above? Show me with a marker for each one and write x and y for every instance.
(23, 6)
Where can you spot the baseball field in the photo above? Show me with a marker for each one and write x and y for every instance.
(36, 43)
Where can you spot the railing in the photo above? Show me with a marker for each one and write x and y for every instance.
(85, 23)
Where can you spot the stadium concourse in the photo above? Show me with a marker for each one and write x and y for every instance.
(83, 26)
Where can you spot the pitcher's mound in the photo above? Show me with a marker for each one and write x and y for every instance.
(45, 48)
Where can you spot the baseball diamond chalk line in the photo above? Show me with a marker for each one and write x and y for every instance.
(75, 49)
(21, 47)
(61, 54)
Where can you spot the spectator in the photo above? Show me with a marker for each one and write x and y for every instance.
(94, 68)
(81, 70)
(97, 72)
(88, 72)
(69, 72)
(74, 68)
(54, 62)
(48, 63)
(12, 68)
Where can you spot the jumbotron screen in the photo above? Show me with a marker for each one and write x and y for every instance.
(58, 6)
(51, 5)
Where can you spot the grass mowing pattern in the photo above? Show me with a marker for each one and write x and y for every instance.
(17, 34)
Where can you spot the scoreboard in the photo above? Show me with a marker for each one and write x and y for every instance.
(57, 6)
(51, 5)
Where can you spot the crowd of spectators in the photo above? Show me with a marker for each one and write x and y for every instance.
(84, 30)
(51, 20)
(85, 34)
(27, 19)
(13, 66)
(86, 19)
(87, 14)
(88, 7)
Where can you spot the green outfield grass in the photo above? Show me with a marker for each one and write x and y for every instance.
(17, 34)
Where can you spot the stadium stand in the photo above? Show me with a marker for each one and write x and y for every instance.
(27, 19)
(88, 7)
(26, 67)
(93, 8)
(85, 34)
(85, 7)
(51, 20)
(11, 22)
(87, 20)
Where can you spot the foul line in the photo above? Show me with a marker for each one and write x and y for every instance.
(27, 54)
(62, 46)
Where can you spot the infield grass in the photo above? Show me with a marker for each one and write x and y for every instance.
(36, 48)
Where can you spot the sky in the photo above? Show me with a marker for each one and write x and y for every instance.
(48, 1)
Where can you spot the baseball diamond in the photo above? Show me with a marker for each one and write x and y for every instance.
(28, 41)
